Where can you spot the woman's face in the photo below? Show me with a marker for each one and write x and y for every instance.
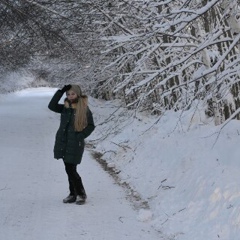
(71, 95)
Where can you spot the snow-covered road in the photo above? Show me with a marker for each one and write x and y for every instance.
(33, 184)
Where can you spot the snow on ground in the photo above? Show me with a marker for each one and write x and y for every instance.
(186, 169)
(33, 184)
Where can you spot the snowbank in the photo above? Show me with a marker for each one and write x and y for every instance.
(188, 173)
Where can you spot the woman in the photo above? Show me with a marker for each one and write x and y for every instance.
(76, 124)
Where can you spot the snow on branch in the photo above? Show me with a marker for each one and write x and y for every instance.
(174, 52)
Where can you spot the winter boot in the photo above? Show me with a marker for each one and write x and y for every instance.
(81, 199)
(70, 199)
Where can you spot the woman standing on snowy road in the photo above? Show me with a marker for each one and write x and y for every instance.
(76, 124)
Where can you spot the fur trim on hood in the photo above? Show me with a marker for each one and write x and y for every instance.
(67, 104)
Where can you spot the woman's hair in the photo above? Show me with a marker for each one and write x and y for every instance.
(80, 121)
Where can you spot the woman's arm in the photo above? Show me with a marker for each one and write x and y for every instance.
(53, 104)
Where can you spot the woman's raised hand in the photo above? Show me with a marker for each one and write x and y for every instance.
(66, 88)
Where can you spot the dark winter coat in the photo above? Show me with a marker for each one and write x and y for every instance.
(69, 144)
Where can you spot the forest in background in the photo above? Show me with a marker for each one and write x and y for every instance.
(154, 55)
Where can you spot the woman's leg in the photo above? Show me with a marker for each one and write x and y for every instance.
(75, 182)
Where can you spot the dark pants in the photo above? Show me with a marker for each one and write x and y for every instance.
(75, 181)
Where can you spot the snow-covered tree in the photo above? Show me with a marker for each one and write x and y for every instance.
(154, 54)
(53, 39)
(167, 54)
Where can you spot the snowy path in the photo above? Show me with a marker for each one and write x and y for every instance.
(32, 183)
